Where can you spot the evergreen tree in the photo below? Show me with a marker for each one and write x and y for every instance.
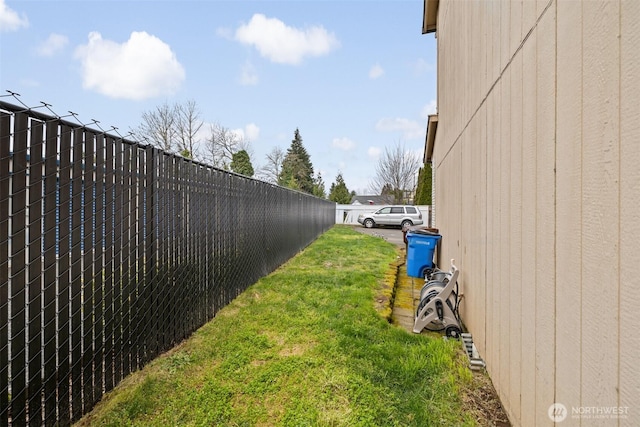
(339, 192)
(318, 187)
(423, 192)
(241, 163)
(186, 153)
(394, 195)
(291, 183)
(296, 167)
(387, 189)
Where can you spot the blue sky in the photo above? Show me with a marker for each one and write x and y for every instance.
(354, 76)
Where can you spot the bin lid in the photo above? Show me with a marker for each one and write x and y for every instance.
(424, 232)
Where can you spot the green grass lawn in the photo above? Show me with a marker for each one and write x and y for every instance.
(303, 346)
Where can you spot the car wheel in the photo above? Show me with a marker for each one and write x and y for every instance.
(406, 223)
(369, 223)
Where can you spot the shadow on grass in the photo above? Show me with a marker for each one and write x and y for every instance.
(302, 346)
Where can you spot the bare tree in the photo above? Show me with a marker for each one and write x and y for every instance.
(396, 172)
(188, 125)
(222, 144)
(159, 127)
(271, 171)
(176, 128)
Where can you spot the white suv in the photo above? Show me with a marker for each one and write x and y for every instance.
(403, 216)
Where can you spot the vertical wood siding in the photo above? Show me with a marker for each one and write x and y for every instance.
(537, 161)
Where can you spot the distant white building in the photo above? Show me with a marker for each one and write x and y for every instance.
(372, 200)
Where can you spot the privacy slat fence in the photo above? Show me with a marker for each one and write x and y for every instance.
(112, 252)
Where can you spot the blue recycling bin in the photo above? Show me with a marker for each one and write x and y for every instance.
(421, 245)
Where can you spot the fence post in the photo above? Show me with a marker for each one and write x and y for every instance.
(18, 273)
(5, 132)
(51, 248)
(150, 216)
(76, 275)
(34, 246)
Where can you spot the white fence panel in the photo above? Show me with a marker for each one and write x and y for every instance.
(348, 214)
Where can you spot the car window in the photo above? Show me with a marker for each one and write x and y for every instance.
(397, 210)
(384, 211)
(410, 210)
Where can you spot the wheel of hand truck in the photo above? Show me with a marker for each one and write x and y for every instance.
(453, 331)
(426, 273)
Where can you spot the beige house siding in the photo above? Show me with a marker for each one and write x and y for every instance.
(537, 188)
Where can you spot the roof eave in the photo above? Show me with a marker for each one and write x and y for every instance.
(430, 139)
(430, 15)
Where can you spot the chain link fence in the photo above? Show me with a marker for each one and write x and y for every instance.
(112, 252)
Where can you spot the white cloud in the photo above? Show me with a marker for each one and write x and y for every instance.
(375, 72)
(374, 152)
(10, 20)
(239, 133)
(204, 133)
(52, 45)
(248, 75)
(252, 131)
(343, 143)
(140, 68)
(283, 44)
(410, 129)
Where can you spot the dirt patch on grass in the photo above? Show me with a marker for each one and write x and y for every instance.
(384, 299)
(295, 350)
(482, 402)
